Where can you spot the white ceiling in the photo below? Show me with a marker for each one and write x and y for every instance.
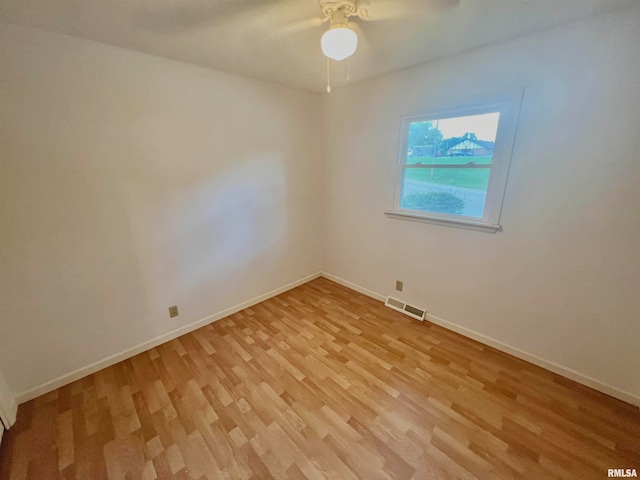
(262, 38)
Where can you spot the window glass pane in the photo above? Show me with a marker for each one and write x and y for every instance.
(453, 191)
(456, 140)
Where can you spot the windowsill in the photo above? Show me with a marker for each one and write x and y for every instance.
(448, 222)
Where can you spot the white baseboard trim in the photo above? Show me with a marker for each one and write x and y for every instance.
(503, 347)
(540, 362)
(353, 286)
(130, 352)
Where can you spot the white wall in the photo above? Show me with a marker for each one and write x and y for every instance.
(562, 281)
(130, 183)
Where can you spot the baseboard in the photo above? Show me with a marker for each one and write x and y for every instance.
(353, 286)
(503, 347)
(130, 352)
(540, 362)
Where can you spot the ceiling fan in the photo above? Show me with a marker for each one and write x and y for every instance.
(341, 40)
(263, 17)
(178, 16)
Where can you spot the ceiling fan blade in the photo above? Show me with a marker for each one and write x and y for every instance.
(440, 5)
(171, 16)
(301, 25)
(375, 10)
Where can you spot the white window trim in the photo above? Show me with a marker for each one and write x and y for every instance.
(509, 108)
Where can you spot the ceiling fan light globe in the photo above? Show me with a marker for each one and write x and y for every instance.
(339, 43)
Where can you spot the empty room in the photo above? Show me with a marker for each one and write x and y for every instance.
(319, 239)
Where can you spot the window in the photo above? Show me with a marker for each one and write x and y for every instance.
(453, 165)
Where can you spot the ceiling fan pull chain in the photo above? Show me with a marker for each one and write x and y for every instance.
(349, 70)
(328, 75)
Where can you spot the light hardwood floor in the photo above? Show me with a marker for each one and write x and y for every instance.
(321, 382)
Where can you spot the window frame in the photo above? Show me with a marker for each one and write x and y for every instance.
(509, 108)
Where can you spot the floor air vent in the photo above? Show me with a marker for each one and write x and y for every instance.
(402, 307)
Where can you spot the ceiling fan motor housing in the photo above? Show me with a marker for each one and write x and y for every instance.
(340, 10)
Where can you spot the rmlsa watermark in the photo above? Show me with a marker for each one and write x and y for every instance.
(622, 472)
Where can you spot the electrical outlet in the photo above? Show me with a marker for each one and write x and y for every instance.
(399, 285)
(173, 311)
